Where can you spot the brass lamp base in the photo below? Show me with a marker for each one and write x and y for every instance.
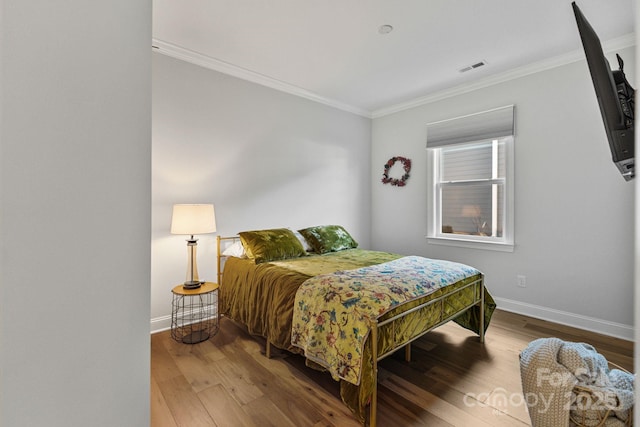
(193, 281)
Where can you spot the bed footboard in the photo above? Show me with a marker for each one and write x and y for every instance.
(477, 288)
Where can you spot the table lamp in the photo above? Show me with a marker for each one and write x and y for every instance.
(475, 213)
(191, 220)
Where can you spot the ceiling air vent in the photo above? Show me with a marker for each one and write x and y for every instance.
(473, 66)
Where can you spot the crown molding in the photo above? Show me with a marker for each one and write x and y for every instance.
(536, 67)
(205, 61)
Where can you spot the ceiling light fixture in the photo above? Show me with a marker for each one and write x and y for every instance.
(385, 29)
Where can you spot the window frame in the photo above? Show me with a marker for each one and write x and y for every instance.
(434, 211)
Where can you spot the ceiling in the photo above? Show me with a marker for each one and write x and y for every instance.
(332, 50)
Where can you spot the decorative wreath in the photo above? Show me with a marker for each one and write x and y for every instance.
(406, 164)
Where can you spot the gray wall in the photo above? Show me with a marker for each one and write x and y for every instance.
(75, 196)
(574, 213)
(263, 157)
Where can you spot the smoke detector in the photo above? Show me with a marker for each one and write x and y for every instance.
(385, 29)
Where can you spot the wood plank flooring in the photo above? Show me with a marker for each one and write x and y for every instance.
(452, 380)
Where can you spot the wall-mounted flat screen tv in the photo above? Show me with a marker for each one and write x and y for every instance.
(615, 97)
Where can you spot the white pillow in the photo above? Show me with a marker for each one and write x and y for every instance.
(235, 250)
(307, 247)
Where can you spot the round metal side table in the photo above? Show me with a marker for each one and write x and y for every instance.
(194, 315)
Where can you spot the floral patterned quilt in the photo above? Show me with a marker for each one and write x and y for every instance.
(332, 311)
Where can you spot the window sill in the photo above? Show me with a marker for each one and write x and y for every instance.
(472, 244)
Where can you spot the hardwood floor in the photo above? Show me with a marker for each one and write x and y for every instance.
(452, 380)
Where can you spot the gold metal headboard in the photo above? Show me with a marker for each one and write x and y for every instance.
(219, 241)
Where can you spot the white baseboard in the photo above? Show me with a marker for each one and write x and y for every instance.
(605, 327)
(159, 324)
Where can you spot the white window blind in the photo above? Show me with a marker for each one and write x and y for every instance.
(491, 124)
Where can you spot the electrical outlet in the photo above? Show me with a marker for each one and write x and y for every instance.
(522, 281)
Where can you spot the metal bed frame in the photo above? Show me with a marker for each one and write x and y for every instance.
(378, 327)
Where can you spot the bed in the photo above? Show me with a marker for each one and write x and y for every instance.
(315, 293)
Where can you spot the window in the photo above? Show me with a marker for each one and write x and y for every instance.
(471, 184)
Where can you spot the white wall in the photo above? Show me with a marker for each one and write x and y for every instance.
(75, 178)
(263, 157)
(574, 213)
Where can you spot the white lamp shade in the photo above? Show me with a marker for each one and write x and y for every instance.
(471, 211)
(193, 219)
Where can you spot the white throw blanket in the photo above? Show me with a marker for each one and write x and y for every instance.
(551, 369)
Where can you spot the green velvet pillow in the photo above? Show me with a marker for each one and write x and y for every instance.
(271, 245)
(328, 238)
